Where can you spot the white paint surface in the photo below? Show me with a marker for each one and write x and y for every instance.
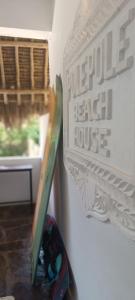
(102, 258)
(27, 14)
(25, 33)
(15, 186)
(99, 121)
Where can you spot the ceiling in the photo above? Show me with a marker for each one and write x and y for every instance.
(27, 14)
(24, 78)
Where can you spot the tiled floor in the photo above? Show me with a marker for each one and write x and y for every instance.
(15, 245)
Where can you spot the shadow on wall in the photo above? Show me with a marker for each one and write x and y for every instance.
(61, 206)
(62, 211)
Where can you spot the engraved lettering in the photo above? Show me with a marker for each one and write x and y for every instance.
(91, 69)
(100, 63)
(94, 147)
(105, 105)
(87, 138)
(84, 73)
(109, 69)
(104, 133)
(92, 139)
(124, 61)
(98, 108)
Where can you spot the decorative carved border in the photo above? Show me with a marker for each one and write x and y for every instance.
(86, 26)
(114, 197)
(114, 193)
(100, 173)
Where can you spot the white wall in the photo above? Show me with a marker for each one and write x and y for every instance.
(101, 257)
(15, 186)
(27, 14)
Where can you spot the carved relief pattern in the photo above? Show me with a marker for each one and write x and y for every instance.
(86, 28)
(105, 206)
(113, 180)
(114, 193)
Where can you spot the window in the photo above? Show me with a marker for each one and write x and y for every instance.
(23, 140)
